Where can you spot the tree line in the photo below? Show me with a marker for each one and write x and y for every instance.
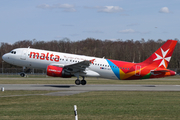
(129, 50)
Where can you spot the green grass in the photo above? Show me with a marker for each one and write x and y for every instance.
(106, 105)
(51, 80)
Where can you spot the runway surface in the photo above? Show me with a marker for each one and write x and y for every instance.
(74, 89)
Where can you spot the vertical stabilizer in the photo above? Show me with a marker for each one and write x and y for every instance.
(162, 56)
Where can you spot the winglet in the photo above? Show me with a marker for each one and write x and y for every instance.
(92, 61)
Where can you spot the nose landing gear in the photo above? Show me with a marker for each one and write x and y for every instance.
(25, 70)
(22, 74)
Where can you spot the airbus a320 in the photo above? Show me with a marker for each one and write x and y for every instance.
(58, 64)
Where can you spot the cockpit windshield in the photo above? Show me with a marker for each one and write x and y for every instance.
(13, 52)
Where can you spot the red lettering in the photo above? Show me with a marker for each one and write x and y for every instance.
(34, 54)
(42, 56)
(56, 58)
(47, 55)
(51, 57)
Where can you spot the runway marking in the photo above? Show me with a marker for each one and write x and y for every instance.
(21, 95)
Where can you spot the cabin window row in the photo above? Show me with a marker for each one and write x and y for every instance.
(54, 58)
(110, 66)
(78, 61)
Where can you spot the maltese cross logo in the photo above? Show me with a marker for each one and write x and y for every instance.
(163, 58)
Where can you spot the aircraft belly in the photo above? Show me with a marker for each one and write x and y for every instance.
(108, 74)
(34, 63)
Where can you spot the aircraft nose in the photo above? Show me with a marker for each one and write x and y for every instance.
(4, 57)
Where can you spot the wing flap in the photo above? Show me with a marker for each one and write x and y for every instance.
(76, 67)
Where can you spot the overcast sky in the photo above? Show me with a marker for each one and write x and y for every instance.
(80, 19)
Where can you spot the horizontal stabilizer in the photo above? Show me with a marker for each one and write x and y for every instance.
(157, 72)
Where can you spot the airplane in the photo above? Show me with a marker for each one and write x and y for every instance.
(58, 64)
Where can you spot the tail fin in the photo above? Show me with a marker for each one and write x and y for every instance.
(162, 56)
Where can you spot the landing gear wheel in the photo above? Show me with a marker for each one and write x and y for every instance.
(77, 82)
(22, 74)
(83, 82)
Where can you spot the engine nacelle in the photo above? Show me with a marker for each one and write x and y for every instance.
(55, 71)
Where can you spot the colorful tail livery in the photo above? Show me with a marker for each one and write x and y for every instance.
(65, 65)
(153, 67)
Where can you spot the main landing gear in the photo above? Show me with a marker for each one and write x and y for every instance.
(82, 82)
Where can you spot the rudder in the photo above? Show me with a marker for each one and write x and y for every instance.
(162, 56)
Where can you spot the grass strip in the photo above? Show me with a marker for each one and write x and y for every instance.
(99, 105)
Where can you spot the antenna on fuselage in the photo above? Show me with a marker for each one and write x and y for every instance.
(28, 47)
(133, 58)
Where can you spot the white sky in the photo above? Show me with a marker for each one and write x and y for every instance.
(79, 19)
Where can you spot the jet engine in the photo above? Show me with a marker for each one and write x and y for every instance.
(56, 71)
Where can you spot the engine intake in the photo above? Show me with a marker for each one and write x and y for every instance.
(55, 71)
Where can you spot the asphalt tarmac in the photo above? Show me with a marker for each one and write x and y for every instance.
(70, 89)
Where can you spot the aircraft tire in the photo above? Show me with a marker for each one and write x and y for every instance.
(77, 82)
(83, 82)
(22, 74)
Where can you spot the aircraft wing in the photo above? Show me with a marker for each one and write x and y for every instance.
(76, 67)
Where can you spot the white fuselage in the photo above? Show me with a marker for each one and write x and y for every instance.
(40, 59)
